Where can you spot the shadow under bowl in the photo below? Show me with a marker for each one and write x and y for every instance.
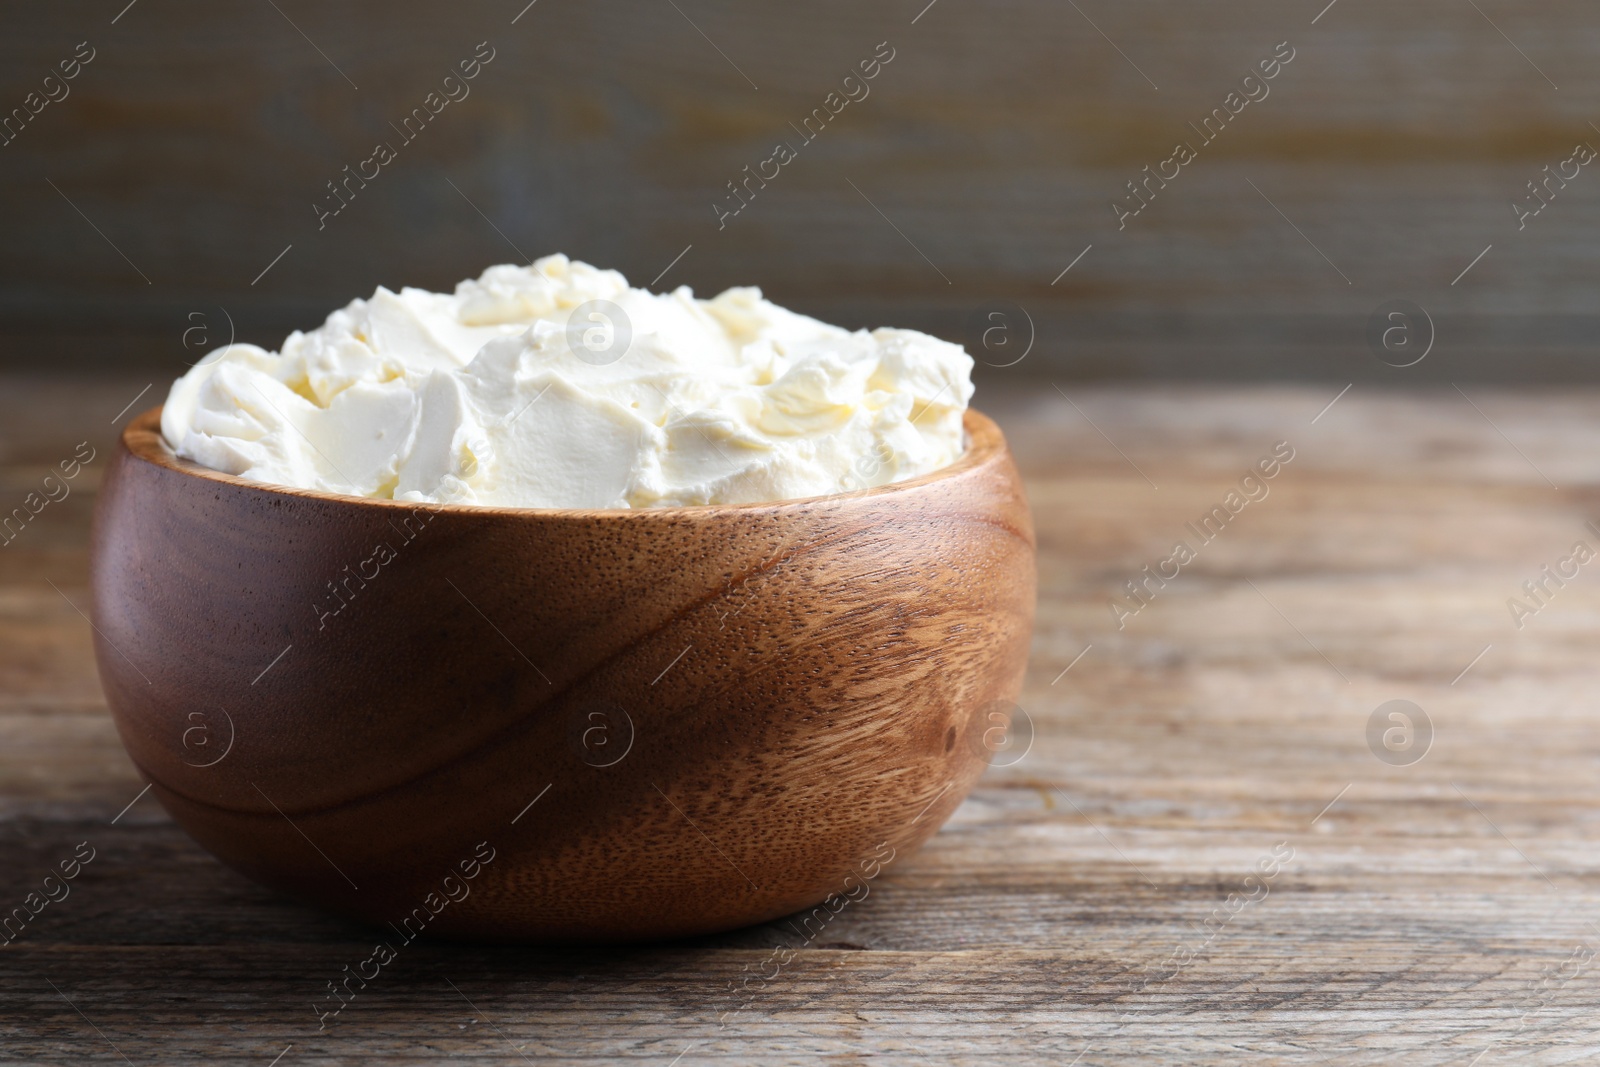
(559, 725)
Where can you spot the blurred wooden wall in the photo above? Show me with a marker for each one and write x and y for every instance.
(985, 159)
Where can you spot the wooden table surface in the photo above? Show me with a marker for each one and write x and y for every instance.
(1100, 899)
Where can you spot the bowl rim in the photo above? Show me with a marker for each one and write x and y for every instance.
(141, 438)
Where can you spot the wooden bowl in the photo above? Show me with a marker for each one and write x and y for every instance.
(560, 725)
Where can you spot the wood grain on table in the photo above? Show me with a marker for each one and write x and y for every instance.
(1123, 892)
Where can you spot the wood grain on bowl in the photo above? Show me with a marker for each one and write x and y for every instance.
(624, 724)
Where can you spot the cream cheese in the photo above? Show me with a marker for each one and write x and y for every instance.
(558, 386)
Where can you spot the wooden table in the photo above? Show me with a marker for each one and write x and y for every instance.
(1077, 908)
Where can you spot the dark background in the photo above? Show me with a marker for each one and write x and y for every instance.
(202, 133)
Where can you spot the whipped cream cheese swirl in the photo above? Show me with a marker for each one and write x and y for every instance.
(558, 386)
